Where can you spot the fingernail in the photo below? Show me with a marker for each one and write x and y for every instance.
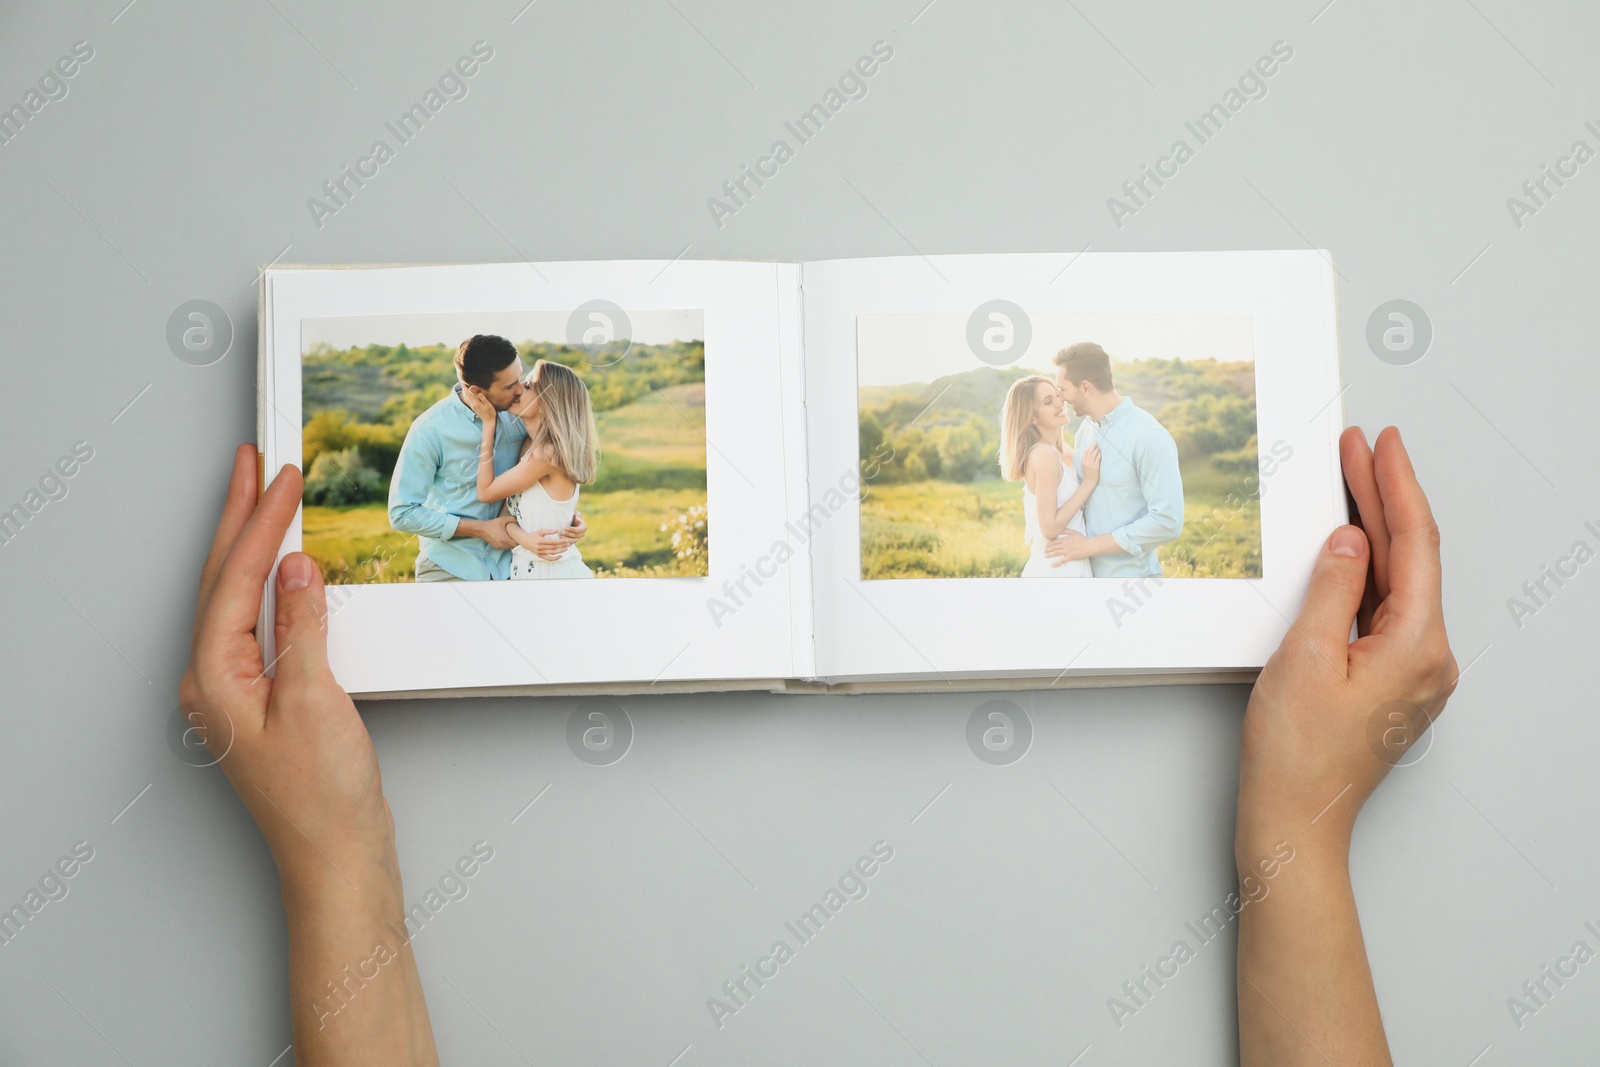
(1363, 434)
(1346, 541)
(294, 573)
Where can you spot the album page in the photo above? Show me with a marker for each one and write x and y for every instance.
(647, 460)
(1058, 467)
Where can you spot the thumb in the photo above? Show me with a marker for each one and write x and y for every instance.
(1337, 584)
(302, 615)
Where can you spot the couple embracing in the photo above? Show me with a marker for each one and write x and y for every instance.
(1105, 506)
(488, 476)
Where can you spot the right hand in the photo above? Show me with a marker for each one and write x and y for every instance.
(1068, 547)
(491, 531)
(1329, 717)
(1091, 463)
(498, 533)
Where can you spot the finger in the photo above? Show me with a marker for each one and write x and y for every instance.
(301, 626)
(1414, 578)
(1367, 506)
(236, 509)
(1337, 582)
(236, 600)
(1356, 457)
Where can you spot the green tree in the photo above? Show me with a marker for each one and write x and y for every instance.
(327, 431)
(869, 435)
(338, 479)
(335, 430)
(1208, 424)
(908, 464)
(961, 453)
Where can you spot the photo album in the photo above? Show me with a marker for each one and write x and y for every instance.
(852, 475)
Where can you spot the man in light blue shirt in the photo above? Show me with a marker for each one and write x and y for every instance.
(434, 491)
(1138, 505)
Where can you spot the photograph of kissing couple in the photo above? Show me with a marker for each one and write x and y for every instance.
(1070, 462)
(569, 453)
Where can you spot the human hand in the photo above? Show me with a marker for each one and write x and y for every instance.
(494, 532)
(297, 753)
(1091, 465)
(1308, 757)
(479, 402)
(293, 746)
(549, 543)
(1071, 545)
(499, 532)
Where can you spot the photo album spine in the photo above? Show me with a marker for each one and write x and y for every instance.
(799, 569)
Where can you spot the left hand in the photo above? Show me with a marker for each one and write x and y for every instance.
(479, 403)
(1071, 545)
(295, 749)
(1091, 465)
(293, 746)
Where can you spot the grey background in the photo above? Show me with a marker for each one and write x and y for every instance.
(1025, 895)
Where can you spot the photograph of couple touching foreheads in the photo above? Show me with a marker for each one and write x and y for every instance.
(1130, 456)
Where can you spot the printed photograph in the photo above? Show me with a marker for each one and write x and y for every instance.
(506, 446)
(1003, 445)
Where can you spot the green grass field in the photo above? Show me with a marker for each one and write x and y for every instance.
(357, 546)
(655, 442)
(936, 529)
(652, 469)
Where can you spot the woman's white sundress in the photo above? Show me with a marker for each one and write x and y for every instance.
(1038, 566)
(534, 510)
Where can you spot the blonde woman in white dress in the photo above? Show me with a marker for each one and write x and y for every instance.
(1032, 452)
(561, 453)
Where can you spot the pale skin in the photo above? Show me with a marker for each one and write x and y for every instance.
(296, 751)
(533, 468)
(1091, 401)
(508, 392)
(1044, 467)
(1306, 765)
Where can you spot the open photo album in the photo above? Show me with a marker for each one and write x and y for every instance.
(913, 473)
